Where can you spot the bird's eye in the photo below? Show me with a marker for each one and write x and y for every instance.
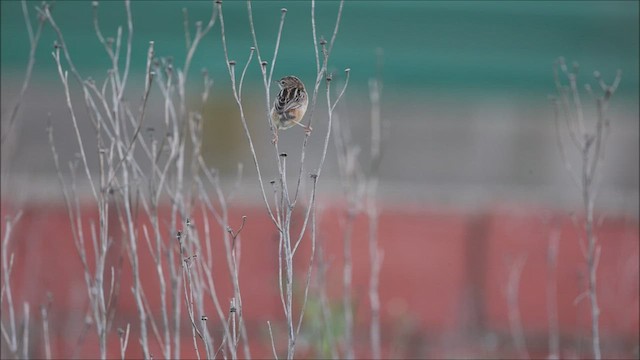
(281, 82)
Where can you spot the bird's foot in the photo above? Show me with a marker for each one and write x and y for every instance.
(307, 130)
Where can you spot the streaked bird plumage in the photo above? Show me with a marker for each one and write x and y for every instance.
(290, 105)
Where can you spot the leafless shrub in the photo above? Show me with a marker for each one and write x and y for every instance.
(285, 202)
(588, 138)
(359, 184)
(120, 184)
(512, 295)
(10, 332)
(124, 191)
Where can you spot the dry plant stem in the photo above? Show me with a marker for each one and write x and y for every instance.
(331, 109)
(120, 136)
(284, 209)
(289, 210)
(188, 256)
(114, 55)
(152, 322)
(515, 322)
(165, 343)
(74, 214)
(263, 68)
(281, 213)
(277, 47)
(44, 311)
(46, 13)
(124, 341)
(351, 213)
(322, 66)
(211, 290)
(231, 242)
(226, 232)
(214, 297)
(197, 286)
(177, 143)
(232, 315)
(176, 307)
(207, 336)
(160, 272)
(65, 83)
(237, 93)
(148, 80)
(313, 252)
(273, 345)
(25, 331)
(34, 39)
(188, 295)
(94, 284)
(95, 293)
(350, 176)
(10, 336)
(157, 184)
(114, 290)
(284, 204)
(288, 261)
(175, 273)
(85, 330)
(321, 72)
(238, 97)
(324, 303)
(180, 125)
(178, 121)
(133, 247)
(346, 286)
(552, 295)
(127, 162)
(375, 254)
(589, 144)
(592, 258)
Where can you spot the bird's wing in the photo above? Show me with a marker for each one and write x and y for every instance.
(289, 99)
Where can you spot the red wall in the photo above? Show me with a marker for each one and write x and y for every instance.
(442, 285)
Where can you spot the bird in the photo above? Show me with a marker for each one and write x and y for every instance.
(290, 105)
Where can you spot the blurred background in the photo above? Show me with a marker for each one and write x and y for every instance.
(471, 178)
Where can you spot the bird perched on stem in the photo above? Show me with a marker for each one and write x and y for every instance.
(290, 105)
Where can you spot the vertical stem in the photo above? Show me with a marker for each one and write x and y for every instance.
(6, 274)
(25, 331)
(45, 331)
(589, 143)
(513, 304)
(346, 286)
(374, 296)
(552, 295)
(375, 254)
(324, 304)
(289, 285)
(592, 261)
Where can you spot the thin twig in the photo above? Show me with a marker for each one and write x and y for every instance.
(33, 45)
(230, 68)
(552, 290)
(273, 345)
(44, 310)
(515, 321)
(589, 145)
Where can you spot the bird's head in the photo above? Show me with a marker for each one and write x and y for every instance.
(290, 82)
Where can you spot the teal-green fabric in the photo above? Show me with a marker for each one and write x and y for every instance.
(478, 47)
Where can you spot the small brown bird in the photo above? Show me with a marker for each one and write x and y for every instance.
(290, 105)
